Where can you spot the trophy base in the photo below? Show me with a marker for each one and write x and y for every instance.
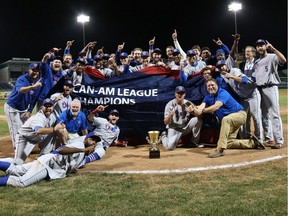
(154, 153)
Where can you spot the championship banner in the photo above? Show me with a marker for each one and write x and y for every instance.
(140, 97)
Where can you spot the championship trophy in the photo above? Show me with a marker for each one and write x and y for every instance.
(154, 152)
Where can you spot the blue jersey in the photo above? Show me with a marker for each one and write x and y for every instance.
(49, 80)
(73, 125)
(230, 105)
(21, 101)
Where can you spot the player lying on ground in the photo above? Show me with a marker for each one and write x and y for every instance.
(55, 165)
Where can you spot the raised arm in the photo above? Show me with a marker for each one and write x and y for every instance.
(281, 57)
(177, 45)
(99, 108)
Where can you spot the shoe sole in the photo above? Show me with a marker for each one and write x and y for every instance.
(268, 143)
(276, 147)
(216, 156)
(259, 145)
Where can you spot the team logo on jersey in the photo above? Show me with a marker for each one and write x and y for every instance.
(31, 92)
(64, 105)
(107, 127)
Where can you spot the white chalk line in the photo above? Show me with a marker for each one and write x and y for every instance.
(192, 169)
(5, 137)
(195, 169)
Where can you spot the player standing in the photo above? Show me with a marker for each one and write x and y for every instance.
(267, 80)
(19, 105)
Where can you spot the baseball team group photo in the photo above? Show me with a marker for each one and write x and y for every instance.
(104, 132)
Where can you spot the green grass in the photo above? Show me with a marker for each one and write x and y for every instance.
(1, 108)
(252, 190)
(283, 103)
(4, 128)
(255, 190)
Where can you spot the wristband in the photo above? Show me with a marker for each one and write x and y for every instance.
(95, 111)
(203, 111)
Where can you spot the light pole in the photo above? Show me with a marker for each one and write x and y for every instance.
(234, 6)
(83, 19)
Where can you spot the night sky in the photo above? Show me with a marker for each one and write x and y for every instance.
(30, 28)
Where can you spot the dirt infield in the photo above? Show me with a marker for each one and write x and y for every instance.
(136, 158)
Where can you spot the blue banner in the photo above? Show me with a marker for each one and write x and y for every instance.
(140, 97)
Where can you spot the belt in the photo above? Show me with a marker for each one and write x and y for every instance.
(266, 86)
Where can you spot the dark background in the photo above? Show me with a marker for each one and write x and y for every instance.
(30, 28)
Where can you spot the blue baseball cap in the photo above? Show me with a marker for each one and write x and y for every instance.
(220, 63)
(58, 58)
(106, 56)
(176, 52)
(93, 135)
(48, 101)
(260, 41)
(97, 57)
(157, 50)
(180, 89)
(33, 66)
(114, 111)
(220, 51)
(190, 53)
(144, 54)
(123, 55)
(81, 61)
(68, 82)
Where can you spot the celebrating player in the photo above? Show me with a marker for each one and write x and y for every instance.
(267, 79)
(179, 122)
(107, 130)
(38, 129)
(19, 105)
(55, 165)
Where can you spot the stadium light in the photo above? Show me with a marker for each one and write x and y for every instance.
(234, 6)
(83, 19)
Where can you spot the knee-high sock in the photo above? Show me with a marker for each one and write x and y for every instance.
(3, 180)
(92, 157)
(4, 165)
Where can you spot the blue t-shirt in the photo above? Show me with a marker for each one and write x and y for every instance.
(230, 105)
(73, 125)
